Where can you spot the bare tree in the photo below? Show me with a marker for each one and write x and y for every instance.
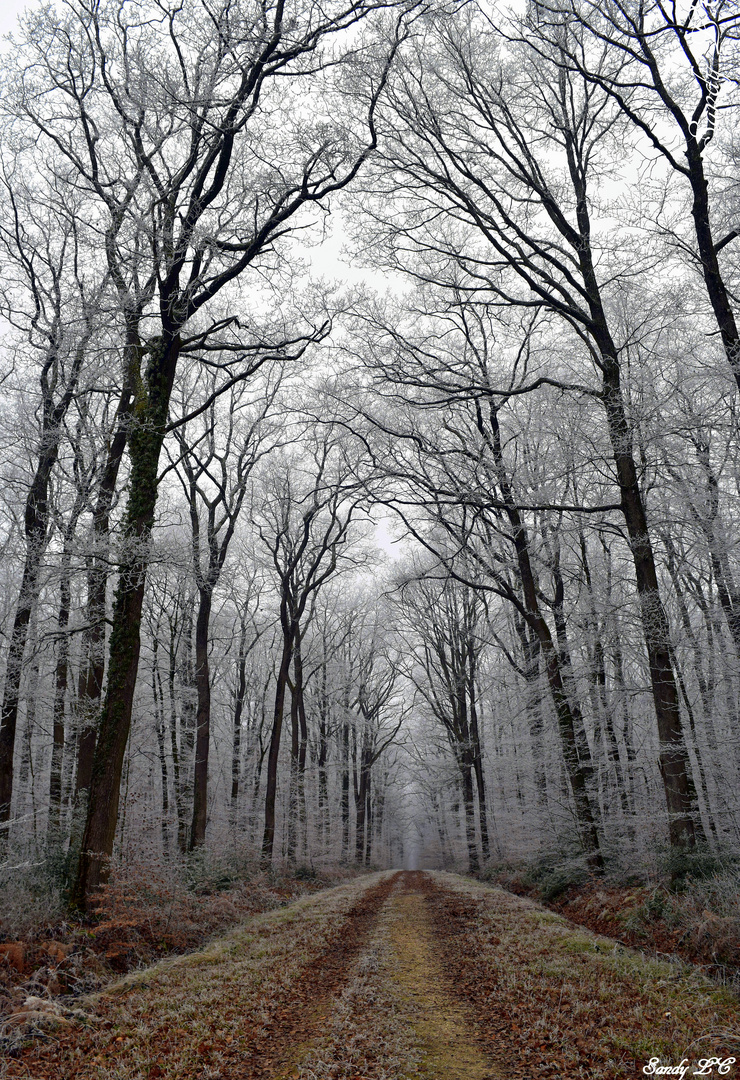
(439, 415)
(380, 713)
(310, 504)
(55, 305)
(445, 617)
(671, 71)
(214, 465)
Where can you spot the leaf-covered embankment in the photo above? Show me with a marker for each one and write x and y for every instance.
(555, 1000)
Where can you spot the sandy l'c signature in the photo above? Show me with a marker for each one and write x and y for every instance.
(705, 1067)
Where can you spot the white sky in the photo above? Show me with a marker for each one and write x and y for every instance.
(9, 12)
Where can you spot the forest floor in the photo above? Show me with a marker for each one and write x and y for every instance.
(393, 976)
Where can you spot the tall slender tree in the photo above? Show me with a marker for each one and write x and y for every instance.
(55, 306)
(309, 510)
(214, 464)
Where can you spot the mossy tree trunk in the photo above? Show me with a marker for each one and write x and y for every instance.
(145, 442)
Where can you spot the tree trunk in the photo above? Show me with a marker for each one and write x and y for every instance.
(578, 770)
(241, 690)
(466, 773)
(160, 726)
(145, 442)
(716, 289)
(674, 765)
(188, 719)
(533, 704)
(369, 821)
(36, 521)
(26, 772)
(702, 789)
(322, 786)
(603, 708)
(59, 707)
(566, 665)
(268, 839)
(177, 782)
(293, 781)
(202, 721)
(302, 823)
(362, 787)
(478, 755)
(90, 686)
(716, 536)
(380, 848)
(344, 798)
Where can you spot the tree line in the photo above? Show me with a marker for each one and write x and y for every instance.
(536, 380)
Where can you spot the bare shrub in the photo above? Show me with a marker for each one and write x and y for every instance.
(30, 897)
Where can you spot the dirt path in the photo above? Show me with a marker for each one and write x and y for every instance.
(409, 976)
(399, 1017)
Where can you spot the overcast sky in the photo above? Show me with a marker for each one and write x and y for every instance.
(9, 11)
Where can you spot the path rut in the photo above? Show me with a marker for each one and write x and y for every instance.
(399, 1018)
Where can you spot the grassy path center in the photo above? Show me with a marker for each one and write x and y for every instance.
(444, 1037)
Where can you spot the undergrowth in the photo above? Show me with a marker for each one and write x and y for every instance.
(685, 904)
(30, 898)
(545, 879)
(150, 908)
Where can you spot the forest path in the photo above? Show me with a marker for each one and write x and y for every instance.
(395, 976)
(399, 1016)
